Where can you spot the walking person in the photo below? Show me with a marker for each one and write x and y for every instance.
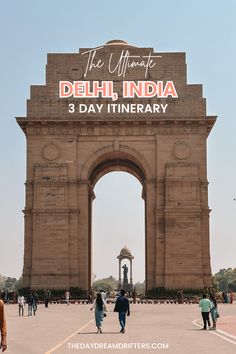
(205, 305)
(123, 309)
(228, 297)
(21, 304)
(231, 295)
(3, 327)
(35, 303)
(90, 297)
(47, 295)
(225, 297)
(134, 295)
(30, 302)
(100, 306)
(214, 311)
(67, 297)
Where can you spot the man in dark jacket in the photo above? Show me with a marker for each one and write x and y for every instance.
(30, 302)
(122, 307)
(35, 305)
(47, 295)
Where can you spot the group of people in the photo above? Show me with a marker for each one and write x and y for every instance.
(31, 300)
(227, 297)
(209, 306)
(121, 306)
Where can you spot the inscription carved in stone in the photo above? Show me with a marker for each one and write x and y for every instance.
(114, 131)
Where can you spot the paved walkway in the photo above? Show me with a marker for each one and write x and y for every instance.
(228, 324)
(169, 328)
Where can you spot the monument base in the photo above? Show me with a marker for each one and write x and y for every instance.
(126, 286)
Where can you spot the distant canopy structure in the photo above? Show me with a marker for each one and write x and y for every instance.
(125, 253)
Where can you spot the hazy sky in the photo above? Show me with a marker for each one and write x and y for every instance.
(204, 29)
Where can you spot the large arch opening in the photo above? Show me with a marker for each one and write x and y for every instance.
(117, 218)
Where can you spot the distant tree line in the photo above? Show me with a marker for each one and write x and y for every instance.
(225, 279)
(110, 284)
(9, 283)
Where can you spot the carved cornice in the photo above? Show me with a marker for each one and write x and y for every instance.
(168, 126)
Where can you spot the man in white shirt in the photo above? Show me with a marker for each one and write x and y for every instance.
(21, 304)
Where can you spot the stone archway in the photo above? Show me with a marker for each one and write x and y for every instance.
(116, 149)
(128, 160)
(72, 142)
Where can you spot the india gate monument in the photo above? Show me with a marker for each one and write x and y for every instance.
(116, 107)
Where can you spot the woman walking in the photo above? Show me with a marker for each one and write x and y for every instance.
(100, 306)
(214, 311)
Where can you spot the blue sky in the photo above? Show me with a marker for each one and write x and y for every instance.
(205, 30)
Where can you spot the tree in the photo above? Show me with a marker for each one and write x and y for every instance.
(225, 279)
(106, 284)
(140, 287)
(2, 282)
(10, 283)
